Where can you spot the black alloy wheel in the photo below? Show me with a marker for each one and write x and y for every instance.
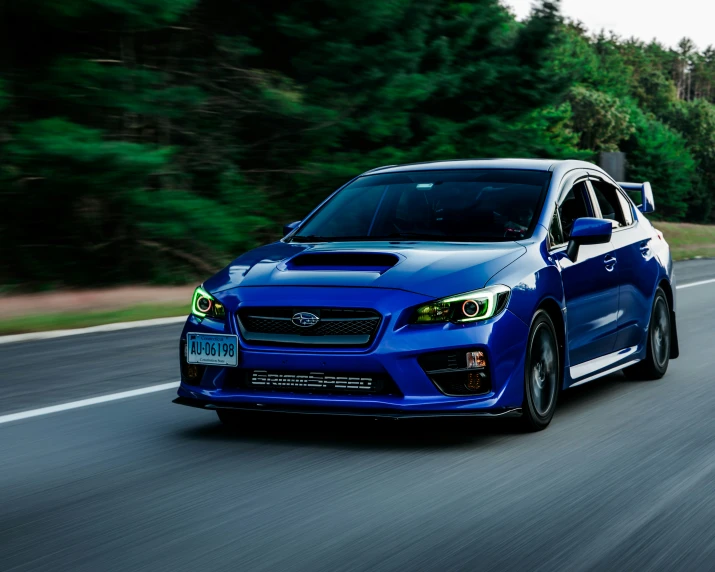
(658, 342)
(542, 374)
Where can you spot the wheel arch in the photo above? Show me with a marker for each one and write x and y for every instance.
(553, 309)
(667, 288)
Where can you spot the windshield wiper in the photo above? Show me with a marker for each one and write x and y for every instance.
(309, 238)
(410, 235)
(315, 238)
(437, 237)
(417, 235)
(391, 237)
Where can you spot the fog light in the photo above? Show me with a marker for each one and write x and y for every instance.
(458, 372)
(476, 360)
(476, 382)
(191, 373)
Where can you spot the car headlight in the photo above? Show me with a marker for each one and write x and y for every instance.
(204, 304)
(468, 307)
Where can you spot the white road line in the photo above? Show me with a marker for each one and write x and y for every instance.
(86, 402)
(91, 330)
(695, 284)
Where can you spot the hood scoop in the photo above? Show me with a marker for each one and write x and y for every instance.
(343, 261)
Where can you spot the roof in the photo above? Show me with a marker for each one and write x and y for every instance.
(525, 164)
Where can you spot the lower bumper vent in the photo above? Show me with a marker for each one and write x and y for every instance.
(313, 382)
(453, 374)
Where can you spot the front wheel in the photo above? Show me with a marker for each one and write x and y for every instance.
(542, 374)
(658, 343)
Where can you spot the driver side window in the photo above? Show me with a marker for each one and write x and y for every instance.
(572, 207)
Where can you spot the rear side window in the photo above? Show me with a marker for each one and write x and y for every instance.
(626, 208)
(609, 201)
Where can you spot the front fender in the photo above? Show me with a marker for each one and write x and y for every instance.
(534, 278)
(536, 282)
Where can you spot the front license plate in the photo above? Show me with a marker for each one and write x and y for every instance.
(212, 349)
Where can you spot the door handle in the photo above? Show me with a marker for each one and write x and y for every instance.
(645, 247)
(610, 262)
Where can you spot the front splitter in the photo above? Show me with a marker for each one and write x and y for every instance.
(377, 413)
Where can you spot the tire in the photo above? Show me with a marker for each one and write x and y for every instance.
(658, 343)
(542, 374)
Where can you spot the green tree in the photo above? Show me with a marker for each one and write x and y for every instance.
(602, 120)
(658, 154)
(77, 184)
(155, 139)
(696, 121)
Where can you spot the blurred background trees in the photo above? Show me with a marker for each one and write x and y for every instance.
(153, 140)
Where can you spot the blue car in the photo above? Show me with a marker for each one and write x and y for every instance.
(456, 288)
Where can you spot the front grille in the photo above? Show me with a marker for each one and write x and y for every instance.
(312, 382)
(336, 327)
(285, 326)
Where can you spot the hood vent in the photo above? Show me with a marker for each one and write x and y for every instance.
(365, 261)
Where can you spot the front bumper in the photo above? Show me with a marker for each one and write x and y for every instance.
(394, 352)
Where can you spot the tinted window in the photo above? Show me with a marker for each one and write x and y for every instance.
(609, 203)
(456, 205)
(556, 233)
(573, 206)
(626, 208)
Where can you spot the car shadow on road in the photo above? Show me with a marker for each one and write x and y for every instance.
(591, 395)
(359, 433)
(385, 434)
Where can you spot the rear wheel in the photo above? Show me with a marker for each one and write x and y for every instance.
(542, 374)
(658, 343)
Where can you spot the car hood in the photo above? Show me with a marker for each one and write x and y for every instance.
(428, 268)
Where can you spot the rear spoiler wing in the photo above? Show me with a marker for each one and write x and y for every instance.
(647, 202)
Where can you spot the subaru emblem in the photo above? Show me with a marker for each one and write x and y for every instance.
(305, 319)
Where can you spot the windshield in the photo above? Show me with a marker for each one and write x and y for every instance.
(455, 205)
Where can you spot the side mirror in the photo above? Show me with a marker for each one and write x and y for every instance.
(290, 227)
(588, 230)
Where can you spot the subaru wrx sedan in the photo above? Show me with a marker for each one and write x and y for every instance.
(458, 288)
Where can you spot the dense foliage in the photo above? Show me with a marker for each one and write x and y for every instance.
(152, 140)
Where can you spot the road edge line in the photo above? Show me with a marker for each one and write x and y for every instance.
(86, 402)
(116, 326)
(691, 284)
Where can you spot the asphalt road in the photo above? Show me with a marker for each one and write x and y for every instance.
(623, 479)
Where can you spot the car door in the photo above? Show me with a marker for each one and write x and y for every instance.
(590, 283)
(637, 267)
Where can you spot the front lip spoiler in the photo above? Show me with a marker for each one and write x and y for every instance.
(386, 413)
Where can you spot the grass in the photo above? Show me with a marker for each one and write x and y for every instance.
(69, 320)
(688, 240)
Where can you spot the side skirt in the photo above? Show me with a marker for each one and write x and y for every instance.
(602, 366)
